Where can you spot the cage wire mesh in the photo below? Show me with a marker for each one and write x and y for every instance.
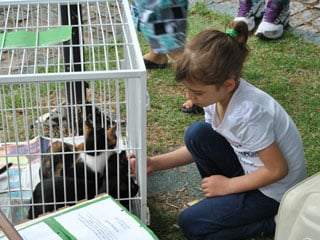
(69, 69)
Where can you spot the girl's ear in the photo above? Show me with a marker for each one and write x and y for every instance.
(230, 84)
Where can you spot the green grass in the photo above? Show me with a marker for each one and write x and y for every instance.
(288, 69)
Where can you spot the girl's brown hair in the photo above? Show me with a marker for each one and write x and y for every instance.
(212, 56)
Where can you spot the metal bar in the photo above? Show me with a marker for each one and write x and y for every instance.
(71, 16)
(47, 83)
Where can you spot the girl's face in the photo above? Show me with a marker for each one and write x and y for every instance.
(205, 95)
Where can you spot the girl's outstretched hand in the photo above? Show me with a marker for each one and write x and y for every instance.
(215, 185)
(132, 160)
(133, 165)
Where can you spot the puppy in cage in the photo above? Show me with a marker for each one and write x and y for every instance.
(81, 178)
(64, 153)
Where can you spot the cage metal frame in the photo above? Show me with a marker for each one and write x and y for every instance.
(129, 67)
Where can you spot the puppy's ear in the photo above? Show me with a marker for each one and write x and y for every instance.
(56, 147)
(112, 137)
(80, 147)
(87, 129)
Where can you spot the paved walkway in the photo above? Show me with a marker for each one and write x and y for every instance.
(304, 19)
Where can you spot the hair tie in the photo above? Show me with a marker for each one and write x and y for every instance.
(231, 32)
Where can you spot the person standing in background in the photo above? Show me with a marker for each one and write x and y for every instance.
(163, 24)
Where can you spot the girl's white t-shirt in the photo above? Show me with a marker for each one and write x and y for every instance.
(252, 122)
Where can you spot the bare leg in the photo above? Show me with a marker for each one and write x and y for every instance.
(160, 58)
(156, 58)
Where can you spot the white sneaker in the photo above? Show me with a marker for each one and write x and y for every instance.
(275, 18)
(268, 30)
(249, 11)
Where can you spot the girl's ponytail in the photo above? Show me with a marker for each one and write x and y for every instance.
(239, 31)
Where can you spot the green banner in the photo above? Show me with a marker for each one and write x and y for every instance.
(35, 39)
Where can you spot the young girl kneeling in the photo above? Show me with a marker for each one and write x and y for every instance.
(248, 151)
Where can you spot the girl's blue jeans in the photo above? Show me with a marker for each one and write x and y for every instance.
(234, 216)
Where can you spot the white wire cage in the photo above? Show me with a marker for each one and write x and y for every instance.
(62, 64)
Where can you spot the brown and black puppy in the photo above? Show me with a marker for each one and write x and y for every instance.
(58, 192)
(80, 178)
(93, 152)
(116, 182)
(61, 156)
